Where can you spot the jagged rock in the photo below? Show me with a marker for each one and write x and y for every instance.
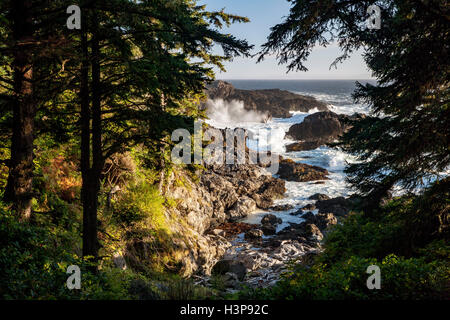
(226, 183)
(319, 196)
(269, 229)
(308, 216)
(313, 232)
(271, 219)
(283, 207)
(300, 172)
(325, 220)
(321, 220)
(219, 232)
(231, 280)
(274, 102)
(309, 207)
(241, 208)
(303, 146)
(254, 234)
(230, 266)
(338, 206)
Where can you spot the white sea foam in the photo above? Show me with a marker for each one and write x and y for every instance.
(231, 112)
(272, 136)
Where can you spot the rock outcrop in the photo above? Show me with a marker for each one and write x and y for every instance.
(223, 193)
(317, 129)
(339, 206)
(300, 172)
(274, 102)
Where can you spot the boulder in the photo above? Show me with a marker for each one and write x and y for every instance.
(269, 229)
(282, 207)
(319, 127)
(325, 220)
(241, 208)
(303, 146)
(338, 206)
(271, 219)
(309, 216)
(300, 172)
(313, 232)
(254, 234)
(225, 266)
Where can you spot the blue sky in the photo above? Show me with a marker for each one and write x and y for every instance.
(264, 14)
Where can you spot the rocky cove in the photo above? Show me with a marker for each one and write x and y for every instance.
(241, 223)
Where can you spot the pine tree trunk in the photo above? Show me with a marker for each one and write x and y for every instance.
(20, 179)
(91, 173)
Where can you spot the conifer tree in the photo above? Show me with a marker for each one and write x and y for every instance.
(405, 142)
(139, 59)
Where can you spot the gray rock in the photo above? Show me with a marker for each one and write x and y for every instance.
(271, 219)
(283, 207)
(269, 229)
(254, 234)
(242, 208)
(225, 266)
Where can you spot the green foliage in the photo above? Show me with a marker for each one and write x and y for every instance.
(400, 279)
(34, 265)
(404, 240)
(141, 202)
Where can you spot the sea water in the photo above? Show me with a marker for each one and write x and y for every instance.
(337, 94)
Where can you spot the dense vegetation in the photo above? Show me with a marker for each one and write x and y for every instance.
(86, 111)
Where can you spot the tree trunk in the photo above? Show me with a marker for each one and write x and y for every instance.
(20, 180)
(91, 172)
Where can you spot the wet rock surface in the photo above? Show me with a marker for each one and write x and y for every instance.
(300, 172)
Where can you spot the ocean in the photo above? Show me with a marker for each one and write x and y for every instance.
(272, 136)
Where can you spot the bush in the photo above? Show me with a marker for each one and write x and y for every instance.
(401, 278)
(407, 239)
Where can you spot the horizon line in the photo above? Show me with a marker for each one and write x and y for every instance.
(295, 79)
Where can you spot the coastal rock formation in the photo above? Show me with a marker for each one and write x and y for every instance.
(317, 129)
(339, 206)
(273, 102)
(223, 193)
(300, 172)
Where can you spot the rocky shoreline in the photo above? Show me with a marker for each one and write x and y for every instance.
(218, 244)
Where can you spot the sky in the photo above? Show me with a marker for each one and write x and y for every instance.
(264, 14)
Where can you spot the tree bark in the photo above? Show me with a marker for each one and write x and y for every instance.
(91, 137)
(19, 189)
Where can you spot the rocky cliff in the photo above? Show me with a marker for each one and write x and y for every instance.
(274, 102)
